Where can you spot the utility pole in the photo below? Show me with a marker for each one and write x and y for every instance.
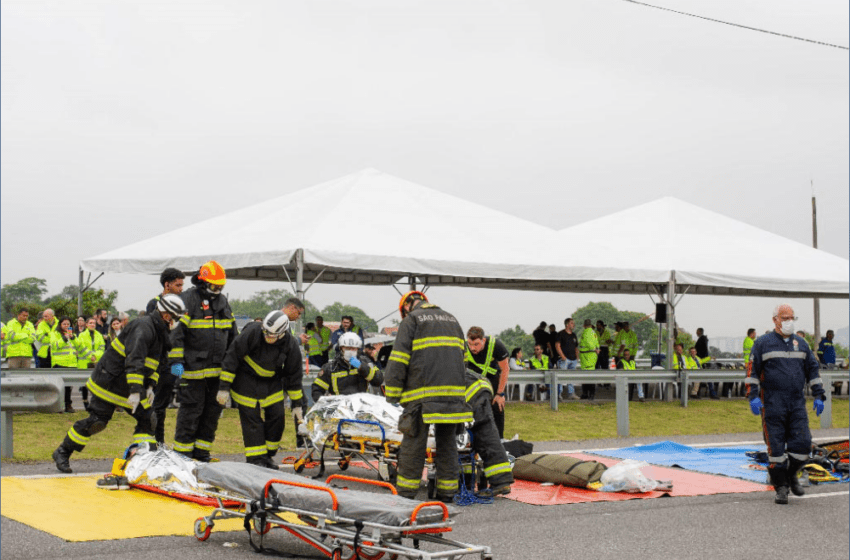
(815, 245)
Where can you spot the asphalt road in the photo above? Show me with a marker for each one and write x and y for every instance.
(724, 526)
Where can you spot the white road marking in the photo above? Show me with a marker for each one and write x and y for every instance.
(714, 444)
(823, 495)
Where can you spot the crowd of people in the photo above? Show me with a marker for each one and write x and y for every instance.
(187, 341)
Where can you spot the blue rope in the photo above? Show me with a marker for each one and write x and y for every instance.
(465, 496)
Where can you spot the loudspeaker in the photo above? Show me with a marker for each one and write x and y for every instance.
(660, 312)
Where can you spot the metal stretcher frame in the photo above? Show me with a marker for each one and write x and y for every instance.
(342, 538)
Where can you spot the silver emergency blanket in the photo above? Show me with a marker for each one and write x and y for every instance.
(324, 417)
(164, 469)
(250, 480)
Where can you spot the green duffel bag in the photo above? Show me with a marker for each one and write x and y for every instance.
(569, 471)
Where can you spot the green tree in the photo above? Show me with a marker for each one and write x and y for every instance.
(336, 310)
(23, 293)
(261, 303)
(65, 302)
(516, 337)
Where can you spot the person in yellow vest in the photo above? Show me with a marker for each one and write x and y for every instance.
(63, 353)
(3, 342)
(617, 348)
(90, 345)
(681, 361)
(698, 363)
(588, 348)
(43, 330)
(629, 364)
(539, 361)
(20, 334)
(605, 342)
(489, 356)
(325, 334)
(313, 345)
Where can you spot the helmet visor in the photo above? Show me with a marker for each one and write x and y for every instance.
(214, 289)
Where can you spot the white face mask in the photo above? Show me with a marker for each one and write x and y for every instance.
(787, 327)
(348, 354)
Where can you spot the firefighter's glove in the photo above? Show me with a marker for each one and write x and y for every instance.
(150, 396)
(354, 362)
(302, 429)
(177, 369)
(298, 412)
(756, 406)
(133, 400)
(818, 406)
(221, 397)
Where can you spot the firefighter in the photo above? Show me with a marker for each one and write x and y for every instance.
(198, 344)
(426, 374)
(782, 364)
(121, 378)
(485, 437)
(348, 373)
(172, 283)
(262, 363)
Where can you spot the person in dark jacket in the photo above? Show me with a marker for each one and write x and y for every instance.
(426, 374)
(172, 283)
(485, 437)
(782, 364)
(262, 363)
(349, 373)
(198, 344)
(120, 379)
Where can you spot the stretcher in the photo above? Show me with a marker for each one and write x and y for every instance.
(341, 523)
(380, 455)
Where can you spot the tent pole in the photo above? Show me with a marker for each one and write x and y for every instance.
(412, 281)
(671, 322)
(815, 245)
(80, 295)
(299, 283)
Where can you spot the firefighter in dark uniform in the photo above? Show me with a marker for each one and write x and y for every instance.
(426, 374)
(485, 436)
(121, 377)
(198, 344)
(172, 283)
(782, 364)
(347, 374)
(262, 363)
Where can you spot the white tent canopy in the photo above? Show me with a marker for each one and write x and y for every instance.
(702, 252)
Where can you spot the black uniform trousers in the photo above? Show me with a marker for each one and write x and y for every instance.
(498, 415)
(163, 393)
(100, 413)
(258, 433)
(411, 457)
(197, 417)
(487, 443)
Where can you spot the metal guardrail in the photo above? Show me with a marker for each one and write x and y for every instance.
(26, 393)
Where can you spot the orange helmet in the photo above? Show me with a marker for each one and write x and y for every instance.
(407, 296)
(212, 273)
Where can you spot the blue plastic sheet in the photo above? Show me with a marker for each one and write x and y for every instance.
(726, 461)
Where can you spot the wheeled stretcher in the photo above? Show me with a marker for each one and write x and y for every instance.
(340, 523)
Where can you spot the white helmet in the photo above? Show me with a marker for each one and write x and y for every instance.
(276, 324)
(349, 340)
(171, 304)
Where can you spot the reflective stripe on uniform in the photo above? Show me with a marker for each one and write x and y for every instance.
(272, 445)
(207, 323)
(251, 402)
(258, 369)
(780, 459)
(479, 385)
(485, 368)
(447, 417)
(448, 485)
(201, 444)
(135, 379)
(391, 391)
(143, 438)
(105, 395)
(295, 394)
(497, 469)
(256, 451)
(321, 383)
(227, 376)
(118, 346)
(402, 482)
(77, 438)
(437, 341)
(436, 391)
(751, 381)
(401, 357)
(780, 354)
(175, 353)
(183, 447)
(202, 373)
(816, 381)
(151, 363)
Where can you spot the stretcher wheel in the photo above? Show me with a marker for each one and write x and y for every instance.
(366, 556)
(343, 464)
(202, 529)
(257, 529)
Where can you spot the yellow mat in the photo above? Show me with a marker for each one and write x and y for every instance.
(74, 509)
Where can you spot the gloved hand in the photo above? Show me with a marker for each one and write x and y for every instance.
(133, 400)
(818, 406)
(756, 406)
(221, 397)
(302, 429)
(177, 369)
(150, 396)
(298, 412)
(354, 362)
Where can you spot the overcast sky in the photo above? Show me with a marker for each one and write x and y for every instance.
(123, 120)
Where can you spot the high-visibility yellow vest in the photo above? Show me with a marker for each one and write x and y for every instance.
(542, 363)
(20, 339)
(748, 348)
(63, 353)
(86, 345)
(42, 335)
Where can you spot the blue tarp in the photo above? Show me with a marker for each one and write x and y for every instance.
(727, 461)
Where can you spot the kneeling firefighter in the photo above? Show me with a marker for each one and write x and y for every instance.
(485, 436)
(425, 373)
(262, 363)
(121, 377)
(348, 373)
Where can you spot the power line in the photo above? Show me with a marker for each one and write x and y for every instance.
(738, 25)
